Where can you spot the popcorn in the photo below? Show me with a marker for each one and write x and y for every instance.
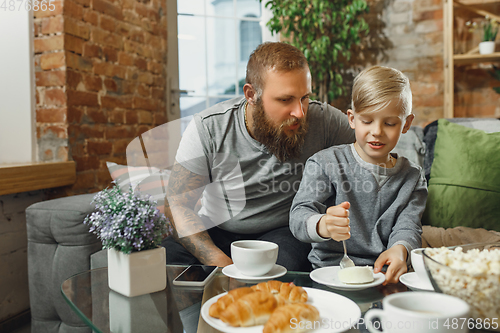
(474, 276)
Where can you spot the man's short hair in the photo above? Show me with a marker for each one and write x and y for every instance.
(279, 56)
(377, 86)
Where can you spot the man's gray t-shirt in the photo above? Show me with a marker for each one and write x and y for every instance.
(252, 190)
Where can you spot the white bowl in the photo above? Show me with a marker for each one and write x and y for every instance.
(254, 257)
(474, 282)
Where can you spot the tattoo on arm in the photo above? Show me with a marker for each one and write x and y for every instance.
(184, 190)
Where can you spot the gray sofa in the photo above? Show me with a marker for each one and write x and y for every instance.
(59, 244)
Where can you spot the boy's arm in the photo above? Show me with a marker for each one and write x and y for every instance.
(406, 235)
(407, 230)
(308, 205)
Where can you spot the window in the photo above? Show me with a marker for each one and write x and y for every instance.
(17, 130)
(213, 40)
(250, 37)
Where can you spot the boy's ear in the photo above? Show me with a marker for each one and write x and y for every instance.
(350, 117)
(249, 93)
(408, 122)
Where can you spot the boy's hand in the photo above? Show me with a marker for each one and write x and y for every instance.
(335, 224)
(395, 257)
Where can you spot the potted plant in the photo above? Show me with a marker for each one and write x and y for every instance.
(325, 32)
(490, 30)
(130, 227)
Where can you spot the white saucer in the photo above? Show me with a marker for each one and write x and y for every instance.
(232, 272)
(412, 281)
(328, 277)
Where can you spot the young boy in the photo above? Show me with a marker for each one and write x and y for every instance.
(361, 189)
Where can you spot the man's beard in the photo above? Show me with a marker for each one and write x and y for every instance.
(282, 145)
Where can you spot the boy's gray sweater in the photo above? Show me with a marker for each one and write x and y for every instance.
(386, 205)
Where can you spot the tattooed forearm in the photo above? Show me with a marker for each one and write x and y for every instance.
(184, 190)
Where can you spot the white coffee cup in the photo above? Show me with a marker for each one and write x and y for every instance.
(254, 257)
(419, 312)
(417, 262)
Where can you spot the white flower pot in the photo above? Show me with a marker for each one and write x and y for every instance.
(486, 47)
(137, 273)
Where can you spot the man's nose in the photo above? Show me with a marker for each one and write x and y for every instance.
(298, 110)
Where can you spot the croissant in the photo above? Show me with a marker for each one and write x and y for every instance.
(288, 291)
(223, 302)
(288, 318)
(250, 310)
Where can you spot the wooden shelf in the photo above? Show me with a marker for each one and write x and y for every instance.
(17, 178)
(464, 59)
(450, 59)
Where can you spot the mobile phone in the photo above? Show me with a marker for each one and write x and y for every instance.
(195, 276)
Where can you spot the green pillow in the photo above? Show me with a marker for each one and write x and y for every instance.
(464, 187)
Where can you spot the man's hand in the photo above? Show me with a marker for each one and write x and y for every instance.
(221, 260)
(335, 224)
(395, 257)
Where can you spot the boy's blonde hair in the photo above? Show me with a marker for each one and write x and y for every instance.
(377, 86)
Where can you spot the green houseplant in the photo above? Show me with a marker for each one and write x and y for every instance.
(324, 30)
(130, 227)
(489, 34)
(490, 29)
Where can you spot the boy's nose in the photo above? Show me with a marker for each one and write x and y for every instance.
(376, 130)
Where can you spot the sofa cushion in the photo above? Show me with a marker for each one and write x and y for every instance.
(411, 146)
(145, 180)
(489, 125)
(464, 186)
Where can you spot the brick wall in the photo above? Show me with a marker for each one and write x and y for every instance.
(100, 74)
(408, 35)
(415, 29)
(100, 82)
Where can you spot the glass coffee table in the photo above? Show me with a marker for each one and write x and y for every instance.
(177, 309)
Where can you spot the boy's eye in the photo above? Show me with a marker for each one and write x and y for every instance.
(390, 124)
(365, 121)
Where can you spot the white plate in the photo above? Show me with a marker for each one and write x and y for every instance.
(337, 313)
(232, 272)
(412, 281)
(328, 277)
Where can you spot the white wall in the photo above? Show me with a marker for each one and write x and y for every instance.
(17, 128)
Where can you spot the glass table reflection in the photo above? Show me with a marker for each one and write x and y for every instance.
(177, 309)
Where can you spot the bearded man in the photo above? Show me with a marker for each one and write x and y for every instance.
(244, 158)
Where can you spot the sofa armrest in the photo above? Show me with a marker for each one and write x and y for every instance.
(59, 246)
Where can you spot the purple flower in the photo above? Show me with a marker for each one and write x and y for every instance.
(126, 221)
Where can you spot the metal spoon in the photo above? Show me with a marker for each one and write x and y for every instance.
(346, 261)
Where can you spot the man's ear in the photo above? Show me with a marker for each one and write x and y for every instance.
(408, 122)
(249, 92)
(350, 117)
